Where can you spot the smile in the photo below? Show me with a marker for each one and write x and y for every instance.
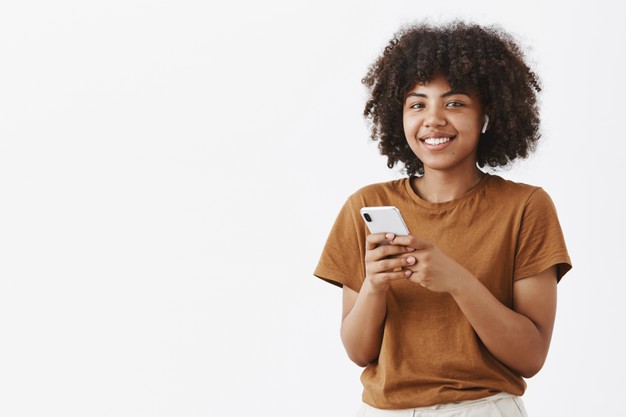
(437, 141)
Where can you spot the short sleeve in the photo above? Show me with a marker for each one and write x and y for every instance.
(540, 243)
(343, 259)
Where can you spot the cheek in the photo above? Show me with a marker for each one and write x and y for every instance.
(410, 127)
(405, 125)
(467, 126)
(410, 133)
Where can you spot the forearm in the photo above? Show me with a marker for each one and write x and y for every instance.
(510, 336)
(362, 327)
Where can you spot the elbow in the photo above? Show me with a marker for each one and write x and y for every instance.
(359, 361)
(529, 373)
(531, 361)
(531, 368)
(359, 352)
(360, 364)
(360, 357)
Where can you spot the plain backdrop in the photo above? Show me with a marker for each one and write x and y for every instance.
(169, 171)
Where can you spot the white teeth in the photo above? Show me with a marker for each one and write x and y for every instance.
(436, 141)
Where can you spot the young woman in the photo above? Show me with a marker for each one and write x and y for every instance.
(454, 316)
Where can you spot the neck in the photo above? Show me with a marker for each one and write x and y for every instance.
(440, 186)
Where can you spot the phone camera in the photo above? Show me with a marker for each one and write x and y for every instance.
(367, 217)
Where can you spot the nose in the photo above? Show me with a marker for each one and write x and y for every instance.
(434, 118)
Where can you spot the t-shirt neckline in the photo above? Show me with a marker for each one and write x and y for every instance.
(447, 204)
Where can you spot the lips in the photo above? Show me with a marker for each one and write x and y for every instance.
(437, 139)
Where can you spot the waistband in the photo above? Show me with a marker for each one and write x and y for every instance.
(374, 412)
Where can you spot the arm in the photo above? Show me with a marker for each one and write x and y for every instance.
(518, 337)
(362, 323)
(364, 312)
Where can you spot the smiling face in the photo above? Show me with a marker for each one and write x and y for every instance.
(442, 126)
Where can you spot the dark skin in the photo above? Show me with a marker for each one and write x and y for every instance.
(520, 336)
(470, 57)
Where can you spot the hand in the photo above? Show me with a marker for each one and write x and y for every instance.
(382, 263)
(433, 269)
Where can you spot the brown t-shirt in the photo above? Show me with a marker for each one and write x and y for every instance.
(500, 231)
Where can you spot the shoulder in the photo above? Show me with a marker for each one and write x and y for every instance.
(528, 204)
(515, 192)
(497, 182)
(382, 193)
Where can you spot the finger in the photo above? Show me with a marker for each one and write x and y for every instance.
(417, 277)
(375, 239)
(404, 253)
(386, 251)
(414, 242)
(393, 276)
(391, 264)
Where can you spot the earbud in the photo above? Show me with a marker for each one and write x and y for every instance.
(484, 129)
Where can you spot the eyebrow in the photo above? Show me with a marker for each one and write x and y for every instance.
(448, 94)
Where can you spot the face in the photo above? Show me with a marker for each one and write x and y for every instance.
(442, 126)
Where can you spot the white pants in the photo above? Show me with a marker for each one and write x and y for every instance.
(499, 405)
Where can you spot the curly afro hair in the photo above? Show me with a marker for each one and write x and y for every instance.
(470, 57)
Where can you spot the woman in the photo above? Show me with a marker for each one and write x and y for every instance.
(454, 316)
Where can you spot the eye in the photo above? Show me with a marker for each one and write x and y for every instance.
(454, 104)
(416, 106)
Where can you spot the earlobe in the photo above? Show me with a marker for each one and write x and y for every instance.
(484, 129)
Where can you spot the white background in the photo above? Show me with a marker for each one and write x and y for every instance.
(169, 171)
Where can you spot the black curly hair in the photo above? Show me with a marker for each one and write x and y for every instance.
(470, 57)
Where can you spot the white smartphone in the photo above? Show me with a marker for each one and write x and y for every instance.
(384, 219)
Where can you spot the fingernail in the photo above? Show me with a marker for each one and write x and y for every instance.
(409, 249)
(410, 260)
(407, 273)
(390, 236)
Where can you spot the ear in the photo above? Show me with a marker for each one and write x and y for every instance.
(484, 129)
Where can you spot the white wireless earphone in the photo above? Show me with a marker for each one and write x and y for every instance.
(484, 129)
